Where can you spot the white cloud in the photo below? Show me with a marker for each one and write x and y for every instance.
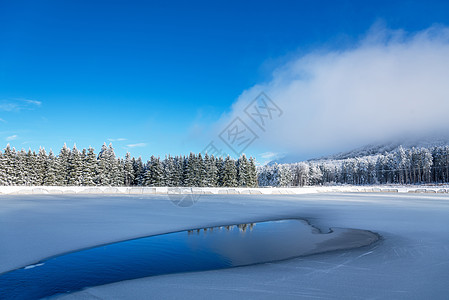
(33, 102)
(3, 121)
(269, 155)
(19, 104)
(8, 106)
(136, 145)
(12, 137)
(117, 140)
(391, 83)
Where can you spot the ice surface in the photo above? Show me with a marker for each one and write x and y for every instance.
(197, 250)
(411, 262)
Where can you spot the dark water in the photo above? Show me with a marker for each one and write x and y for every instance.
(184, 251)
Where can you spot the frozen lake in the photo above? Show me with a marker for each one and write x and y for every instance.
(411, 262)
(200, 249)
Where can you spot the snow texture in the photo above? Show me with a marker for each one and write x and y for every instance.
(411, 262)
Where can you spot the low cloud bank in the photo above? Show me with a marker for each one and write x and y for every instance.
(391, 83)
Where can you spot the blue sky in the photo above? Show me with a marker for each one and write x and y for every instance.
(150, 77)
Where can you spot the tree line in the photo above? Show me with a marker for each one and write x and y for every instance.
(72, 167)
(403, 166)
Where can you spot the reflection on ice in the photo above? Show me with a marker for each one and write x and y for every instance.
(240, 227)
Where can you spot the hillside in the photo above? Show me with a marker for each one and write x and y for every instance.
(391, 146)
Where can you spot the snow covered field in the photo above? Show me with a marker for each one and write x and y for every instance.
(411, 262)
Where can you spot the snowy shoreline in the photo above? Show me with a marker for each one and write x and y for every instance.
(42, 190)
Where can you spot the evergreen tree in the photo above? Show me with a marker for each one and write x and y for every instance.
(75, 168)
(201, 172)
(252, 173)
(62, 174)
(109, 168)
(315, 175)
(31, 167)
(3, 162)
(139, 171)
(52, 168)
(170, 176)
(229, 173)
(153, 174)
(41, 166)
(190, 170)
(21, 168)
(242, 171)
(219, 163)
(119, 178)
(178, 171)
(128, 170)
(211, 171)
(89, 167)
(103, 167)
(10, 158)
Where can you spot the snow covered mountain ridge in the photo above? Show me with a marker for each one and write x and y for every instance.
(392, 146)
(413, 162)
